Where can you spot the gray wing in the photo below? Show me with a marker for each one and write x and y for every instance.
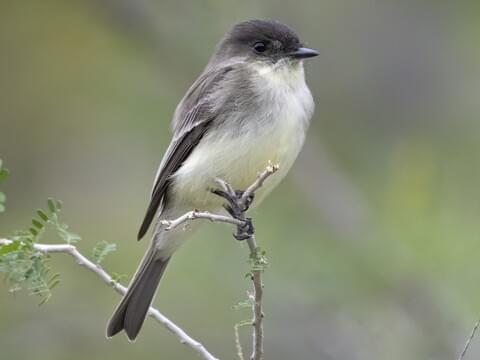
(192, 120)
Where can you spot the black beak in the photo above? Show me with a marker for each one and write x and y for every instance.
(304, 53)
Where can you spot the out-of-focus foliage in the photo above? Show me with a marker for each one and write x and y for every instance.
(24, 267)
(372, 242)
(3, 175)
(101, 251)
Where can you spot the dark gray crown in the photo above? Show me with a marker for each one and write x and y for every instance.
(248, 32)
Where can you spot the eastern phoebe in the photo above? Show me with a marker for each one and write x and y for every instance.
(249, 106)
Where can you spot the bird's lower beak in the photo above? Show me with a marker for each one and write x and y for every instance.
(304, 53)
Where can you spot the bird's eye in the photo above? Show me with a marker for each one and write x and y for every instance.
(260, 47)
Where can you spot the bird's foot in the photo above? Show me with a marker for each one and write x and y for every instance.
(248, 200)
(236, 206)
(244, 231)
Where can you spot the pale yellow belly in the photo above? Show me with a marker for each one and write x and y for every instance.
(238, 161)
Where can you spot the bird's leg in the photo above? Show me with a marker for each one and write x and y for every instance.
(233, 206)
(248, 200)
(237, 207)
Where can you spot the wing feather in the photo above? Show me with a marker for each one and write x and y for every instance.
(192, 120)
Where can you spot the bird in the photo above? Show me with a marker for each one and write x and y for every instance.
(250, 106)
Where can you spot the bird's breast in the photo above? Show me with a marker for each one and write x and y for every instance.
(274, 131)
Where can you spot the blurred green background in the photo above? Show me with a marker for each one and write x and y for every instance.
(373, 240)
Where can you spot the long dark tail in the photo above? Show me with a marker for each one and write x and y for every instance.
(132, 310)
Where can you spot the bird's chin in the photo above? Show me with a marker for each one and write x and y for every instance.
(283, 63)
(289, 64)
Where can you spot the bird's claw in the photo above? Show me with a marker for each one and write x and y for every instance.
(236, 206)
(244, 231)
(248, 201)
(234, 199)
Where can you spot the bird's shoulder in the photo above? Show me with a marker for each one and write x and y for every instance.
(214, 86)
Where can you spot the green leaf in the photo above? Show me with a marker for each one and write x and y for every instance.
(51, 205)
(3, 198)
(54, 205)
(4, 174)
(67, 236)
(116, 277)
(243, 304)
(101, 250)
(258, 260)
(42, 215)
(22, 236)
(13, 246)
(45, 299)
(26, 268)
(37, 224)
(54, 281)
(39, 278)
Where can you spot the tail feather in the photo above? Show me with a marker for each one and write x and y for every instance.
(132, 310)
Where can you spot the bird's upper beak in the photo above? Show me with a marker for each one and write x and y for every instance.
(304, 53)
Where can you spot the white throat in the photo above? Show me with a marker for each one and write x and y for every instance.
(282, 73)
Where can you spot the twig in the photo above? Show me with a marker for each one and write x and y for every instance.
(106, 278)
(469, 341)
(257, 308)
(258, 183)
(238, 344)
(194, 214)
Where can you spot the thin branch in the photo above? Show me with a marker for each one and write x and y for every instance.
(194, 214)
(257, 307)
(258, 183)
(106, 278)
(238, 344)
(469, 341)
